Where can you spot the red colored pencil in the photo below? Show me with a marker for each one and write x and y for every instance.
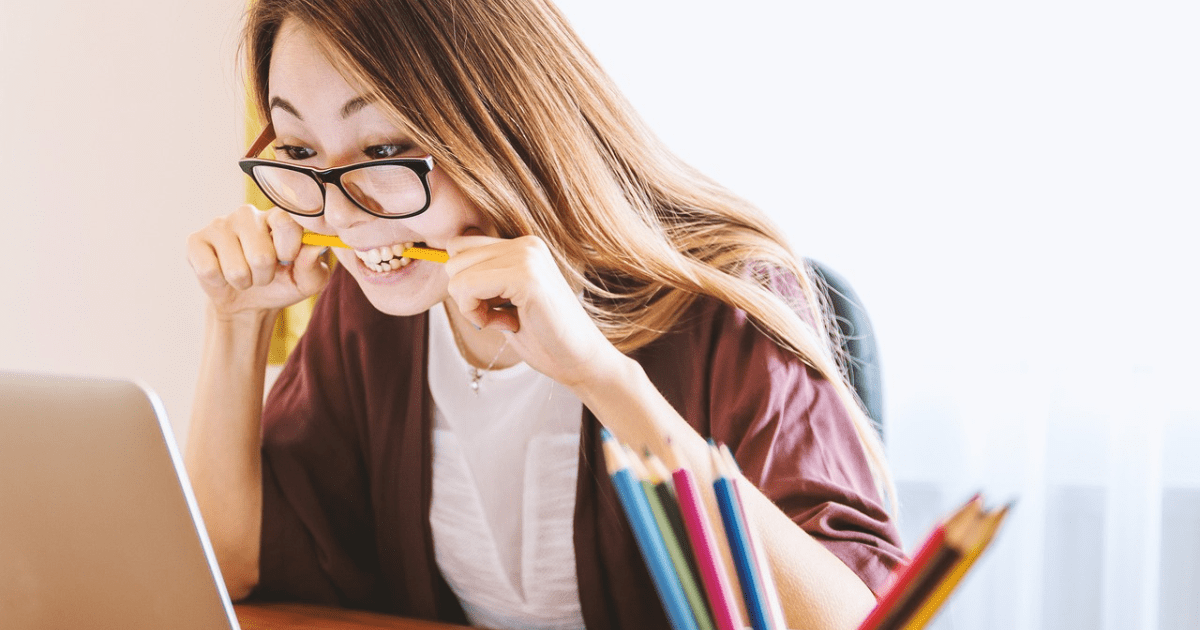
(704, 545)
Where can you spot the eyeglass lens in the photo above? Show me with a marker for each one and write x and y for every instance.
(383, 189)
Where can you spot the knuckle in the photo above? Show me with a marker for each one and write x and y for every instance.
(210, 275)
(238, 277)
(262, 261)
(278, 217)
(221, 224)
(205, 271)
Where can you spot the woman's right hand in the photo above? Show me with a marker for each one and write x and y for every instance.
(252, 261)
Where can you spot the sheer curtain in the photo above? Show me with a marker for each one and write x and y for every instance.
(1105, 533)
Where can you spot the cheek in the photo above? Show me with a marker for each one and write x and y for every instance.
(453, 208)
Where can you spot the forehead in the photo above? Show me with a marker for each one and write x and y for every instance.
(302, 74)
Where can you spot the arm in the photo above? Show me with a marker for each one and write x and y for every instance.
(236, 260)
(817, 589)
(224, 441)
(555, 336)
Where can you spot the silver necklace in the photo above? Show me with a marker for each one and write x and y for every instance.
(473, 372)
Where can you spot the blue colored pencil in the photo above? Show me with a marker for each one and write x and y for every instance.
(753, 591)
(649, 540)
(775, 616)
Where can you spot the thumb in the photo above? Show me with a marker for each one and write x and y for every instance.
(310, 272)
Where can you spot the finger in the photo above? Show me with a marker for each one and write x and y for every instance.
(310, 273)
(257, 246)
(285, 235)
(203, 259)
(483, 293)
(232, 260)
(479, 255)
(460, 244)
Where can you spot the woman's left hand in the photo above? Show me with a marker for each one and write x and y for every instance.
(548, 325)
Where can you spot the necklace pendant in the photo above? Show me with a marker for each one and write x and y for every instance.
(475, 376)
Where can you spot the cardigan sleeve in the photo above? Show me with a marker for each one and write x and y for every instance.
(795, 441)
(316, 544)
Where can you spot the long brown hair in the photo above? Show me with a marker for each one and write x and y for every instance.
(516, 111)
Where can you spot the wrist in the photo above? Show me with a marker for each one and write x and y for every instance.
(605, 377)
(239, 338)
(252, 319)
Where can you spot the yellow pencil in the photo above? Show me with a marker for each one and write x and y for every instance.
(985, 527)
(418, 253)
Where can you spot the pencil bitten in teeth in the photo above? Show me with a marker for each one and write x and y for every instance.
(385, 258)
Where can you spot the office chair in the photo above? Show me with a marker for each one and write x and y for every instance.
(858, 341)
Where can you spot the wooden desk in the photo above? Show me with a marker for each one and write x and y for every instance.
(304, 617)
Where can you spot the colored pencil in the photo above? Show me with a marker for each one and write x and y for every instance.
(716, 580)
(753, 595)
(903, 595)
(973, 542)
(666, 511)
(646, 534)
(762, 564)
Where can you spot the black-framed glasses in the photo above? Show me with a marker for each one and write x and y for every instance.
(393, 188)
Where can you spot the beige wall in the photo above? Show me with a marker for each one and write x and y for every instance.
(118, 137)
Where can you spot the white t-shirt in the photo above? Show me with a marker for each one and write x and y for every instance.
(505, 462)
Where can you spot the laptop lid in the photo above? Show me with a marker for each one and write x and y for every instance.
(98, 525)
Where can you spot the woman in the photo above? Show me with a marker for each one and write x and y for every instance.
(431, 448)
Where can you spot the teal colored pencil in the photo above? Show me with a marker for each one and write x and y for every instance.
(649, 539)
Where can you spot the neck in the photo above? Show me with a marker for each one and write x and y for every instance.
(479, 347)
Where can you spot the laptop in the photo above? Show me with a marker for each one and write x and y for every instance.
(98, 524)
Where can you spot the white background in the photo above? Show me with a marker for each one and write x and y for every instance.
(1011, 188)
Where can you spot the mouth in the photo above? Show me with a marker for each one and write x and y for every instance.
(386, 258)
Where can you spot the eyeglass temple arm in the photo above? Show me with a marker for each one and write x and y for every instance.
(264, 138)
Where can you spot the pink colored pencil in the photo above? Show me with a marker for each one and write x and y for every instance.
(708, 559)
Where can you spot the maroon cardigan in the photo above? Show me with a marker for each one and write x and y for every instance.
(347, 457)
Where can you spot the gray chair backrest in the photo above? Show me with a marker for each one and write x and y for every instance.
(858, 341)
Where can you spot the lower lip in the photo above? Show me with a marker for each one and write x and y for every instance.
(395, 275)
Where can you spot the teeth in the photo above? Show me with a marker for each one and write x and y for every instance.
(385, 258)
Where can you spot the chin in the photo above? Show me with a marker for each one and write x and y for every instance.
(409, 290)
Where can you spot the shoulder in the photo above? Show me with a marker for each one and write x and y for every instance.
(718, 334)
(723, 373)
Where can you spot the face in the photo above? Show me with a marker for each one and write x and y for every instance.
(322, 121)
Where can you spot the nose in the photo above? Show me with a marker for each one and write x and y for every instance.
(340, 212)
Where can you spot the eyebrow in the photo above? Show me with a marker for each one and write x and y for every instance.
(351, 107)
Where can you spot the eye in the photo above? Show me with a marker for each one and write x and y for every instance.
(294, 152)
(384, 151)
